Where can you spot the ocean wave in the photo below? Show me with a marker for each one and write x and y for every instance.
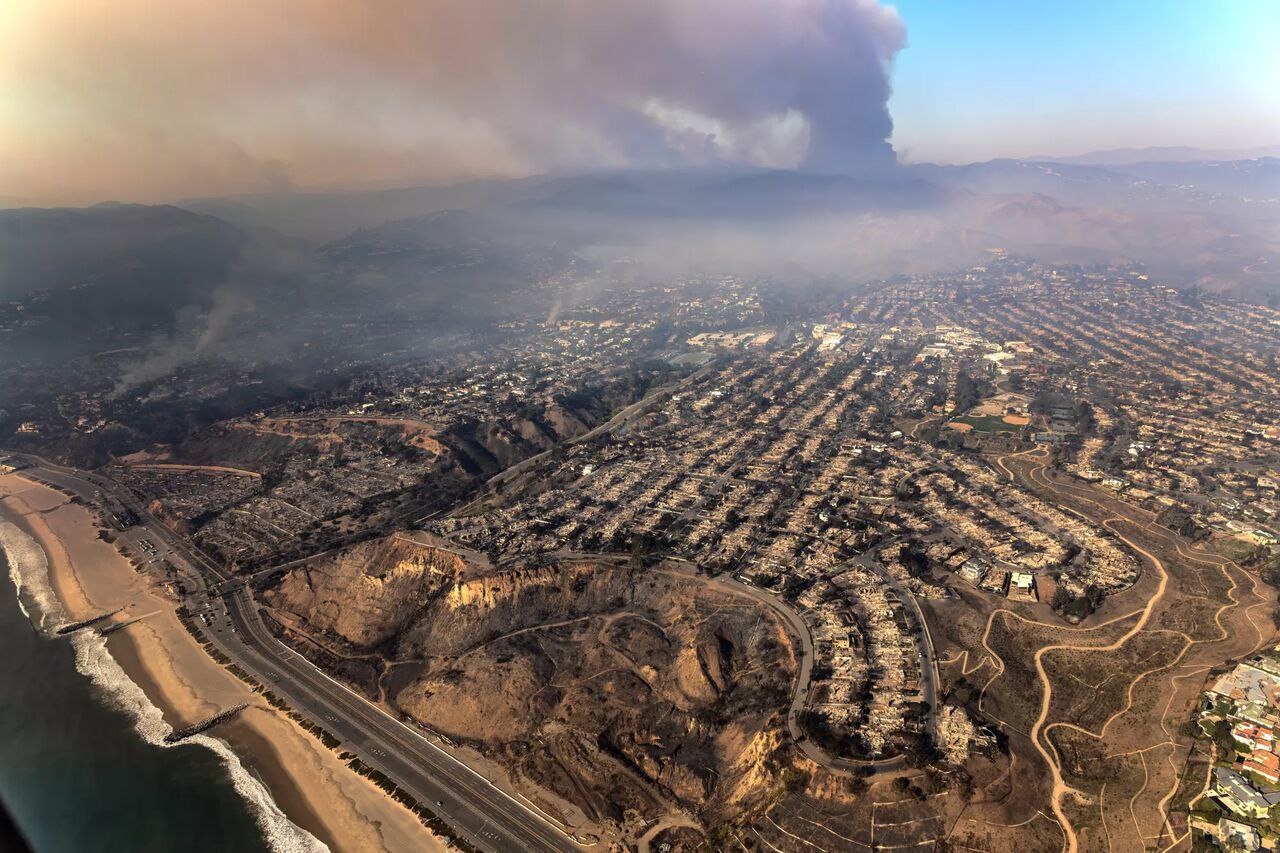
(29, 572)
(94, 661)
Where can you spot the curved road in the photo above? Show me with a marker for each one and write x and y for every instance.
(800, 695)
(1040, 476)
(484, 815)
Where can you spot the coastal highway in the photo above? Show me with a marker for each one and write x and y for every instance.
(488, 817)
(479, 812)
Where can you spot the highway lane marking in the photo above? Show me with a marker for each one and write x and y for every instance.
(379, 724)
(363, 710)
(320, 699)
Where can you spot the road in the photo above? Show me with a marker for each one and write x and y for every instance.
(481, 813)
(800, 695)
(929, 677)
(1117, 511)
(923, 637)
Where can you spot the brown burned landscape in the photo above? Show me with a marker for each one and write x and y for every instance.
(641, 426)
(761, 591)
(632, 693)
(1102, 704)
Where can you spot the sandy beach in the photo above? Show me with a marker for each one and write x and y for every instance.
(307, 781)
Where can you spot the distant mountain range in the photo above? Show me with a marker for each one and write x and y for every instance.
(145, 250)
(677, 193)
(757, 194)
(308, 282)
(1203, 222)
(1162, 154)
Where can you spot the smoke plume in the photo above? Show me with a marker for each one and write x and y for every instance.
(187, 97)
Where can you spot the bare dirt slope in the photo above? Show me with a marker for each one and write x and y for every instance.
(630, 693)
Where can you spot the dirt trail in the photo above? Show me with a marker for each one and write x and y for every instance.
(1143, 521)
(1060, 788)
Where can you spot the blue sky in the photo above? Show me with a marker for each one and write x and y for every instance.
(996, 78)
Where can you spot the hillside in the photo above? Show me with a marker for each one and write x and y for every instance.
(156, 252)
(647, 693)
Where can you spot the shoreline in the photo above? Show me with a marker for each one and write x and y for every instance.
(315, 790)
(254, 750)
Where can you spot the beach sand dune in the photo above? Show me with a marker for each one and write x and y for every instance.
(308, 782)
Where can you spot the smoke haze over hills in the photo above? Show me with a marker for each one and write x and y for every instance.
(718, 137)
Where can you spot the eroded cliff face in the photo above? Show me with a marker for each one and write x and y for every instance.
(478, 609)
(628, 692)
(367, 594)
(755, 756)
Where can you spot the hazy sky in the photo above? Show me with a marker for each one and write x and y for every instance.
(146, 100)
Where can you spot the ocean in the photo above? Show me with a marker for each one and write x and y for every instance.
(83, 766)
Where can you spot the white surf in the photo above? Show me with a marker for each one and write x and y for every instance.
(29, 572)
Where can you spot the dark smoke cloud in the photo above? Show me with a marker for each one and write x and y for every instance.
(138, 99)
